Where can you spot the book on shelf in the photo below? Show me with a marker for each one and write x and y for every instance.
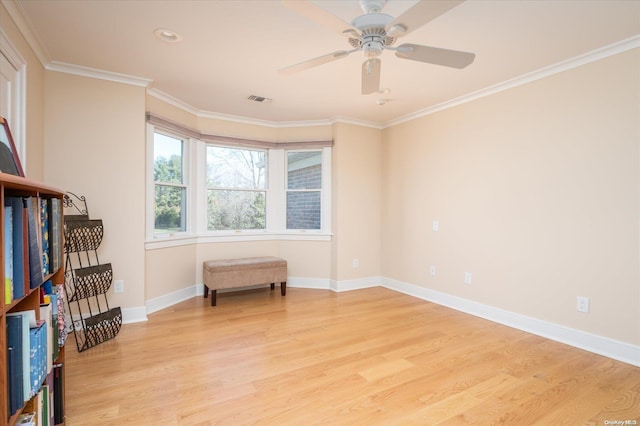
(8, 255)
(15, 367)
(34, 406)
(58, 387)
(44, 235)
(19, 249)
(36, 271)
(47, 400)
(55, 234)
(26, 319)
(59, 312)
(46, 315)
(38, 355)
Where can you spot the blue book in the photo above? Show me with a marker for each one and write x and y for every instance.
(25, 318)
(8, 254)
(19, 252)
(38, 357)
(14, 362)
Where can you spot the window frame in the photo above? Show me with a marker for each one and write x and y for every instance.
(206, 187)
(187, 178)
(194, 161)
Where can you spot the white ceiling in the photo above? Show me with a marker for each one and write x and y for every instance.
(233, 49)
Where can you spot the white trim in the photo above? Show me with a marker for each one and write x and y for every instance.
(596, 55)
(16, 12)
(98, 74)
(601, 345)
(312, 283)
(355, 284)
(357, 122)
(18, 114)
(184, 240)
(131, 315)
(162, 302)
(171, 100)
(178, 103)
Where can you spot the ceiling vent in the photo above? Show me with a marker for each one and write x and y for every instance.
(260, 99)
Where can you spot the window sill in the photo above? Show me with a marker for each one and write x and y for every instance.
(182, 240)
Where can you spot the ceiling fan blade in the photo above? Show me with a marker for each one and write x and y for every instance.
(329, 57)
(418, 15)
(320, 16)
(435, 55)
(371, 76)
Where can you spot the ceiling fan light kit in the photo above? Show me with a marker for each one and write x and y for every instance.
(373, 32)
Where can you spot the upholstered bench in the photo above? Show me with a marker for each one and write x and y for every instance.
(234, 273)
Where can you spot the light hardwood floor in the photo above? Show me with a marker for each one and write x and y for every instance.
(315, 357)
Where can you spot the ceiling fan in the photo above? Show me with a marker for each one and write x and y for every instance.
(374, 32)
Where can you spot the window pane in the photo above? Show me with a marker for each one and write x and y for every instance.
(167, 159)
(304, 170)
(236, 210)
(170, 209)
(235, 168)
(303, 210)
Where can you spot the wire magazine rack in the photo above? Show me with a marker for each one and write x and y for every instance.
(86, 280)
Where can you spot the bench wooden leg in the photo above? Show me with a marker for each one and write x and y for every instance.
(206, 291)
(273, 285)
(214, 294)
(283, 288)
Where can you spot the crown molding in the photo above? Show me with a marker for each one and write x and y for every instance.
(595, 55)
(98, 74)
(172, 100)
(16, 13)
(357, 122)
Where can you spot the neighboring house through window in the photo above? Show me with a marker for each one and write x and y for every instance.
(304, 189)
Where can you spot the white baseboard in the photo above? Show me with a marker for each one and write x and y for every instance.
(605, 346)
(130, 315)
(356, 284)
(314, 283)
(167, 300)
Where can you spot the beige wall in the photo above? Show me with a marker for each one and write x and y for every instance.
(536, 190)
(34, 134)
(356, 208)
(95, 139)
(169, 270)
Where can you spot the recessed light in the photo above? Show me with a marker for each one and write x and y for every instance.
(167, 35)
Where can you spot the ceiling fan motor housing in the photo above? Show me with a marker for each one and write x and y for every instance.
(373, 37)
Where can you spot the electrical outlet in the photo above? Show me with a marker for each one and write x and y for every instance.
(432, 270)
(118, 286)
(582, 304)
(355, 263)
(436, 225)
(467, 277)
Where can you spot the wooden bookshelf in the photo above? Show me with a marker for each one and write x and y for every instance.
(15, 186)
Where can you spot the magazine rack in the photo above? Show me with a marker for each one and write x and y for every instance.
(87, 281)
